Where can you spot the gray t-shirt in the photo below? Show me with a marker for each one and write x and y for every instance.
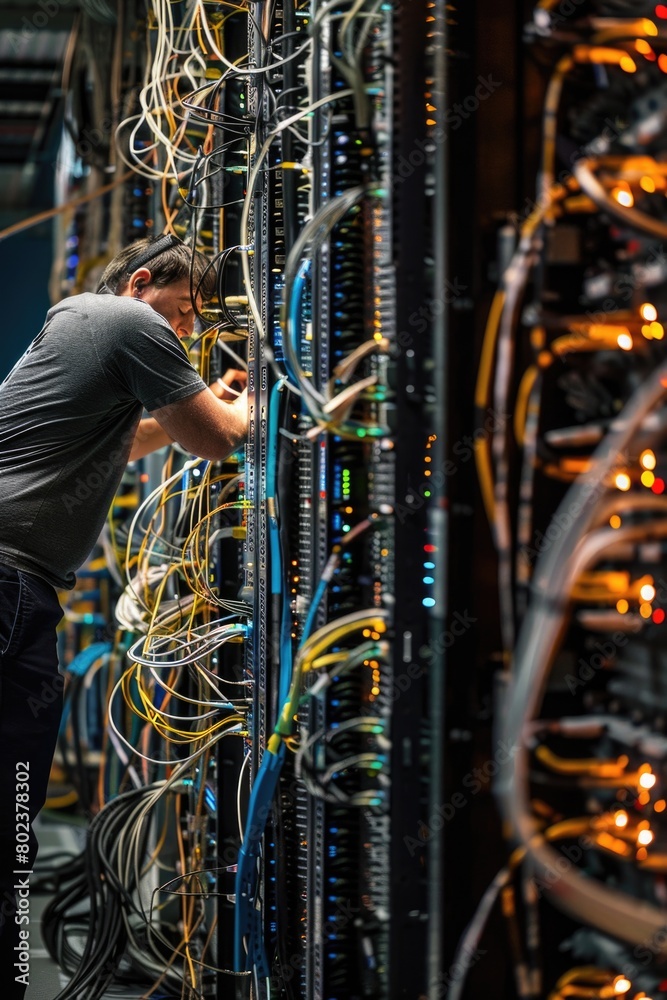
(69, 410)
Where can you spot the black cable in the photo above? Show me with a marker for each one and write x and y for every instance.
(94, 879)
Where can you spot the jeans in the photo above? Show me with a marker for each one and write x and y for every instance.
(30, 709)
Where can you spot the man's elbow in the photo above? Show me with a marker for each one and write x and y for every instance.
(214, 448)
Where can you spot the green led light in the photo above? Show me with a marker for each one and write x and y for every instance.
(427, 493)
(346, 527)
(361, 432)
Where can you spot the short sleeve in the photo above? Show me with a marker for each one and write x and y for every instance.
(143, 357)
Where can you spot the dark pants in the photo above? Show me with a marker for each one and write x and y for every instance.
(30, 708)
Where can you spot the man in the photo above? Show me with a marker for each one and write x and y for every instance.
(70, 418)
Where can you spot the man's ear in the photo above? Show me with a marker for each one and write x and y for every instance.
(138, 280)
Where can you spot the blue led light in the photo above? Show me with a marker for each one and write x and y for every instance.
(429, 565)
(429, 579)
(429, 602)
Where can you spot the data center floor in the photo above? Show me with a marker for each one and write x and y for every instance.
(46, 979)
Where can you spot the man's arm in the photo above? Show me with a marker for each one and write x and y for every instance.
(151, 435)
(202, 424)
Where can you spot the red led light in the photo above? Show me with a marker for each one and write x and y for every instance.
(658, 486)
(432, 548)
(658, 616)
(661, 10)
(662, 62)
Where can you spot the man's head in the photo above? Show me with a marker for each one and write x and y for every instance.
(161, 271)
(169, 260)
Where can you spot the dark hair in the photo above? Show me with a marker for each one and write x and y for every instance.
(167, 266)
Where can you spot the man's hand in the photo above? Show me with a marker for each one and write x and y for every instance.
(223, 387)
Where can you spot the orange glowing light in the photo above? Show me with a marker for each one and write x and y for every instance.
(623, 196)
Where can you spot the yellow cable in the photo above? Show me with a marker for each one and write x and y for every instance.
(521, 406)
